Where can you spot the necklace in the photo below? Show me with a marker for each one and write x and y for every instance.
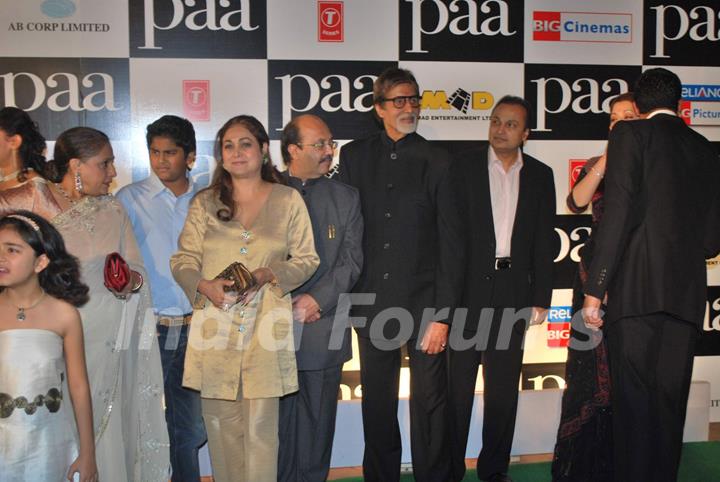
(64, 193)
(12, 175)
(22, 309)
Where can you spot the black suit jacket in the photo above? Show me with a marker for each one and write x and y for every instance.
(413, 240)
(661, 221)
(533, 235)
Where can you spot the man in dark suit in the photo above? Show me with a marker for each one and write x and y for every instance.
(307, 417)
(508, 201)
(413, 269)
(661, 221)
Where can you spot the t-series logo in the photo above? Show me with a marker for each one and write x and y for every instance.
(461, 104)
(62, 93)
(576, 166)
(582, 27)
(330, 21)
(198, 28)
(339, 92)
(681, 32)
(489, 30)
(569, 104)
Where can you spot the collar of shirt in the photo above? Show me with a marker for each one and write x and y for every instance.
(494, 160)
(157, 187)
(661, 111)
(296, 181)
(406, 139)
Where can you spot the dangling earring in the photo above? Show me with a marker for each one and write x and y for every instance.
(266, 159)
(78, 183)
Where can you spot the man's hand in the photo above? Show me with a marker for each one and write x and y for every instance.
(591, 313)
(305, 309)
(435, 339)
(538, 316)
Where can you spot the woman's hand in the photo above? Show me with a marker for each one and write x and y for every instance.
(86, 467)
(215, 292)
(262, 277)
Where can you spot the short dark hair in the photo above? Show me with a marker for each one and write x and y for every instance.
(657, 89)
(515, 100)
(290, 135)
(625, 97)
(389, 79)
(179, 130)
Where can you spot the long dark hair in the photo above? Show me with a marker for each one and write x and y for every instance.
(222, 182)
(76, 143)
(16, 121)
(61, 277)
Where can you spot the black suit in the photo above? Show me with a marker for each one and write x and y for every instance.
(661, 220)
(527, 283)
(413, 251)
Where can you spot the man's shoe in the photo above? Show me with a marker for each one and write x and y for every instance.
(499, 478)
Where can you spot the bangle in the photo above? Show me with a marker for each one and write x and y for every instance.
(140, 282)
(597, 173)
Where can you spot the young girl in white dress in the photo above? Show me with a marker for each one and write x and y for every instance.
(42, 353)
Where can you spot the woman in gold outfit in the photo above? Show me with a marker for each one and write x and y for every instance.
(241, 356)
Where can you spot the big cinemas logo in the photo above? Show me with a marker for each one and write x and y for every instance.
(331, 22)
(700, 113)
(582, 27)
(459, 104)
(558, 326)
(681, 32)
(339, 92)
(469, 30)
(572, 232)
(198, 28)
(573, 101)
(196, 100)
(709, 342)
(63, 93)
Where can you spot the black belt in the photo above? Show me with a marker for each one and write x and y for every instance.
(502, 263)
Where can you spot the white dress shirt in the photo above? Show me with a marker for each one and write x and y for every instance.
(504, 191)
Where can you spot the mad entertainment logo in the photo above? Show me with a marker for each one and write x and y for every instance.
(58, 9)
(582, 27)
(700, 105)
(459, 105)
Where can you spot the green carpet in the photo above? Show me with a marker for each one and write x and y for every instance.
(700, 463)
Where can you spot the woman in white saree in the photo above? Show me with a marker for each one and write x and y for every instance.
(122, 355)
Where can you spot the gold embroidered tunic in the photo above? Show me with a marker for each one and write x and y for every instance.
(248, 348)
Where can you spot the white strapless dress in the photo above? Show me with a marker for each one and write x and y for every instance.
(37, 428)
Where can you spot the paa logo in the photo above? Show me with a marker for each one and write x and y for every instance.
(58, 8)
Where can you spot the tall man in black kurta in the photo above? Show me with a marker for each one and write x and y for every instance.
(413, 261)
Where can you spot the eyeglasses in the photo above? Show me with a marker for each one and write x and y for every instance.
(399, 101)
(321, 145)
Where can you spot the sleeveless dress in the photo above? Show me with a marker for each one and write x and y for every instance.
(38, 439)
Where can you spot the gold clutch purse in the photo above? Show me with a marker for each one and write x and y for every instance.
(242, 278)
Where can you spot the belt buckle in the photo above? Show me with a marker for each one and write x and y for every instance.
(502, 263)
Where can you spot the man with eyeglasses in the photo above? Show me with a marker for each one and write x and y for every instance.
(307, 417)
(413, 246)
(508, 201)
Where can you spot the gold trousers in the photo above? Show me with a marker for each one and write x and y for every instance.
(242, 438)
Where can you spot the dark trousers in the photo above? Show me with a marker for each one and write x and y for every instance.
(651, 361)
(307, 426)
(380, 378)
(501, 372)
(183, 414)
